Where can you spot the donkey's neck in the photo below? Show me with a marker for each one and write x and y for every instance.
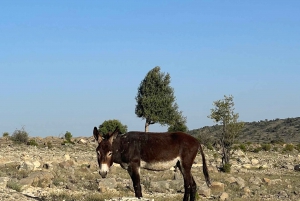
(116, 151)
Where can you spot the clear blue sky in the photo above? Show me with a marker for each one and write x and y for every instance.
(70, 65)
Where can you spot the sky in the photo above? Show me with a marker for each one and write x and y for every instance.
(71, 65)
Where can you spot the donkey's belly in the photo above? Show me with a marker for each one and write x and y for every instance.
(161, 165)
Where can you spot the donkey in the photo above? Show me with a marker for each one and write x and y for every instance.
(151, 151)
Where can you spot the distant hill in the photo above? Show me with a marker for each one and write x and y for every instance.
(264, 131)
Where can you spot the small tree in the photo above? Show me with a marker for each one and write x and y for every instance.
(224, 113)
(156, 100)
(110, 126)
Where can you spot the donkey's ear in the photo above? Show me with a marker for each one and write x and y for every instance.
(114, 134)
(97, 137)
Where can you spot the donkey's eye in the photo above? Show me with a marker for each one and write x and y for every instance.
(98, 152)
(109, 153)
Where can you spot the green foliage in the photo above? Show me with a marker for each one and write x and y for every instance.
(32, 142)
(243, 147)
(14, 185)
(266, 147)
(288, 147)
(5, 134)
(180, 125)
(109, 126)
(68, 136)
(156, 100)
(226, 168)
(20, 136)
(63, 196)
(257, 149)
(210, 147)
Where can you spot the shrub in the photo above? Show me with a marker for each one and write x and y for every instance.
(5, 134)
(243, 147)
(14, 185)
(210, 147)
(32, 142)
(68, 136)
(288, 147)
(20, 136)
(226, 168)
(63, 196)
(266, 147)
(258, 149)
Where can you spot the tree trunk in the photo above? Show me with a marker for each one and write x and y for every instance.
(147, 126)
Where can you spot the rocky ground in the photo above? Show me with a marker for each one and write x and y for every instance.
(52, 171)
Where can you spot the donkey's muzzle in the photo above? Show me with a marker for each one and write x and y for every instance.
(103, 174)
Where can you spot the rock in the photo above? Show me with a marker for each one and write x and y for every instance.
(240, 182)
(67, 157)
(224, 196)
(239, 153)
(267, 180)
(38, 179)
(204, 191)
(247, 166)
(36, 165)
(217, 187)
(3, 182)
(27, 166)
(255, 180)
(297, 167)
(247, 190)
(82, 141)
(254, 161)
(66, 164)
(288, 166)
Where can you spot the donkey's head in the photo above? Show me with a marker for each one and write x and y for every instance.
(104, 151)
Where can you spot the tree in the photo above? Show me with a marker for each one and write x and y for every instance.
(156, 100)
(109, 126)
(224, 113)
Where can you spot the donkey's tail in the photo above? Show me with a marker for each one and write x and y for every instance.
(205, 170)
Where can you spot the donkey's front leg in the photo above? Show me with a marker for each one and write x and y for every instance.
(133, 171)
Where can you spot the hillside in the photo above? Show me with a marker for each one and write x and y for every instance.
(264, 131)
(69, 171)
